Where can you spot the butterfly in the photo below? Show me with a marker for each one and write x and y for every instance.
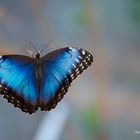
(37, 82)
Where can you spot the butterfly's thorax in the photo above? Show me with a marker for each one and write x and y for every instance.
(38, 70)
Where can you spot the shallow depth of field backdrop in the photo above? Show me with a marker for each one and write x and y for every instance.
(104, 102)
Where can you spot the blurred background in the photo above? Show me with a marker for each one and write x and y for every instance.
(104, 102)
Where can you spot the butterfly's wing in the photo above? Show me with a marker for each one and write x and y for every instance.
(17, 81)
(59, 69)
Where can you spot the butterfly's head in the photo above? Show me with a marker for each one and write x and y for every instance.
(37, 56)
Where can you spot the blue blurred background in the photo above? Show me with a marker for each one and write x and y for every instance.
(103, 103)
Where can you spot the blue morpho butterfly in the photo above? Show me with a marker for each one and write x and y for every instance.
(41, 82)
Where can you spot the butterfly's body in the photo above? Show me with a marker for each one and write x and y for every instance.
(41, 82)
(38, 73)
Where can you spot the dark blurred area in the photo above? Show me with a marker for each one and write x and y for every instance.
(103, 103)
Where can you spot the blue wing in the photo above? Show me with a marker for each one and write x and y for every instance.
(18, 83)
(59, 69)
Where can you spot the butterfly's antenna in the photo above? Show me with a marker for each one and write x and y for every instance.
(34, 46)
(48, 44)
(30, 51)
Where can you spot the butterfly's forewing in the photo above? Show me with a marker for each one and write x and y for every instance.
(59, 69)
(17, 81)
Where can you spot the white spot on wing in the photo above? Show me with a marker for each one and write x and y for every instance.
(89, 55)
(69, 71)
(76, 70)
(77, 60)
(80, 57)
(88, 59)
(74, 65)
(2, 80)
(83, 52)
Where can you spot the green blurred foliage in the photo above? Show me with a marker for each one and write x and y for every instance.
(136, 10)
(91, 121)
(81, 17)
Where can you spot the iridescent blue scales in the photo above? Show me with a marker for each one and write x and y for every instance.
(32, 83)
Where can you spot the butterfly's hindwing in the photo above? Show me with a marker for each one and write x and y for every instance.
(64, 65)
